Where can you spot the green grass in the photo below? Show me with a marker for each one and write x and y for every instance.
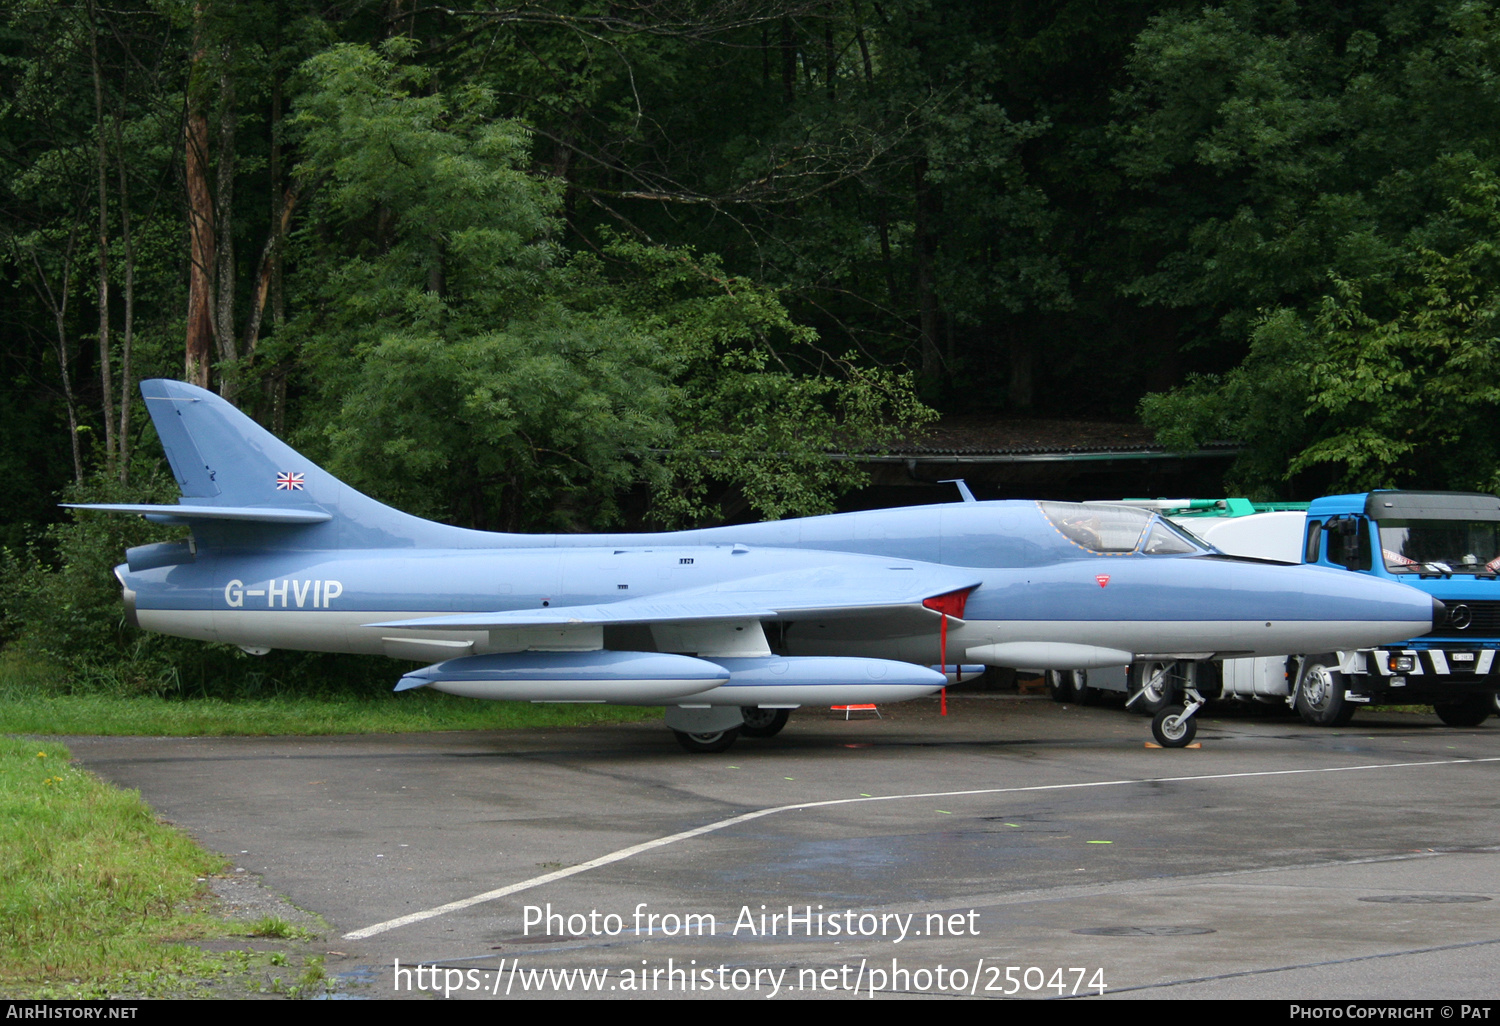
(39, 698)
(23, 713)
(98, 899)
(94, 892)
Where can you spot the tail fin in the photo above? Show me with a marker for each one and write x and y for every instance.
(223, 458)
(238, 481)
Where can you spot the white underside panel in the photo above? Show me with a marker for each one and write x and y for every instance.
(1238, 637)
(339, 631)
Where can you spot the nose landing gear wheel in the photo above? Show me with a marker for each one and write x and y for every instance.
(707, 744)
(1172, 729)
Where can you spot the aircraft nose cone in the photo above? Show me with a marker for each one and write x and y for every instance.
(1439, 614)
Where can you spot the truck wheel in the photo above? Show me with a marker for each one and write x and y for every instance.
(1471, 712)
(1320, 693)
(1157, 685)
(1060, 685)
(1171, 729)
(1071, 686)
(1082, 693)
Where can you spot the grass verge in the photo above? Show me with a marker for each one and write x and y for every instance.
(213, 717)
(96, 896)
(98, 899)
(38, 698)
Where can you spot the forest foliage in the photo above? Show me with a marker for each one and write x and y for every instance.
(571, 264)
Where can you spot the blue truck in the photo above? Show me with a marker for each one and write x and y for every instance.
(1444, 543)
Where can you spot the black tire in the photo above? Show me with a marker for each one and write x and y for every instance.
(1159, 681)
(764, 722)
(1171, 730)
(1320, 693)
(707, 744)
(1471, 712)
(1060, 685)
(1082, 693)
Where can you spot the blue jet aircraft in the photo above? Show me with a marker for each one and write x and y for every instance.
(726, 627)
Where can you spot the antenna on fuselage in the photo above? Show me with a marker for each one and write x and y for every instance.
(963, 488)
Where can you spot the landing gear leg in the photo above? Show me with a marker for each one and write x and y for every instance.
(1173, 726)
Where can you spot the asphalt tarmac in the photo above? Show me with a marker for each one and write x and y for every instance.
(1014, 848)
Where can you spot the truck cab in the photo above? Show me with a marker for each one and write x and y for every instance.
(1446, 544)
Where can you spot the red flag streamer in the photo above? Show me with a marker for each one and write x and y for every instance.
(943, 655)
(950, 604)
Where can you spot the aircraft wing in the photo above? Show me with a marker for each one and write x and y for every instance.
(824, 592)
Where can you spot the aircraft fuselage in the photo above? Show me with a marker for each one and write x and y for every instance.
(324, 600)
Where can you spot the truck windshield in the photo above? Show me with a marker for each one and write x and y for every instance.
(1440, 546)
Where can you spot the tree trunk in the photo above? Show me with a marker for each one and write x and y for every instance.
(200, 218)
(1022, 392)
(127, 343)
(864, 46)
(224, 277)
(283, 214)
(830, 60)
(924, 246)
(788, 61)
(267, 279)
(106, 358)
(58, 304)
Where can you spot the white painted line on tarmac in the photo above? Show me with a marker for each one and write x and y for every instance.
(661, 842)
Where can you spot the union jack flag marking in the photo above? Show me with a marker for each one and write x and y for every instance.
(289, 482)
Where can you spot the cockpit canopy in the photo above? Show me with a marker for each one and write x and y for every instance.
(1107, 530)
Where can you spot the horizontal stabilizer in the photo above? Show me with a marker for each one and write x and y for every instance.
(180, 514)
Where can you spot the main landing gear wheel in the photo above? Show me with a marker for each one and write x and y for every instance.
(764, 722)
(1320, 694)
(1173, 729)
(1153, 687)
(707, 744)
(1469, 713)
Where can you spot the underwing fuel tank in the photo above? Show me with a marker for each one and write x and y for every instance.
(658, 678)
(622, 678)
(821, 680)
